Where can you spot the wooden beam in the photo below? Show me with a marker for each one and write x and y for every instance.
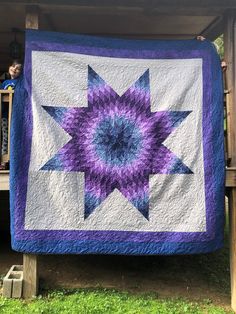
(229, 85)
(173, 7)
(30, 276)
(30, 267)
(49, 21)
(230, 177)
(138, 3)
(6, 97)
(232, 218)
(230, 57)
(32, 17)
(133, 10)
(214, 30)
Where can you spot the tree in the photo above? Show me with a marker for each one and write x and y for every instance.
(219, 43)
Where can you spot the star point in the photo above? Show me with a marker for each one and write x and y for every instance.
(117, 142)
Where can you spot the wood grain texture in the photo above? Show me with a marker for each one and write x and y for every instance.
(6, 97)
(230, 177)
(230, 58)
(30, 261)
(4, 180)
(167, 4)
(30, 276)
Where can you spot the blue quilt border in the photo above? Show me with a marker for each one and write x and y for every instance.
(106, 247)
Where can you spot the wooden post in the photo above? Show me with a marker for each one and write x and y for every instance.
(6, 96)
(30, 276)
(30, 269)
(230, 58)
(32, 17)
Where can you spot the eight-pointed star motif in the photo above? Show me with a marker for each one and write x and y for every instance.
(117, 142)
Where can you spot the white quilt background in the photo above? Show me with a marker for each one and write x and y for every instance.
(55, 199)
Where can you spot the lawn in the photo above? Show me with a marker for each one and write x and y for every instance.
(103, 301)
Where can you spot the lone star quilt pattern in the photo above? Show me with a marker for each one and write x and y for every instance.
(117, 142)
(123, 147)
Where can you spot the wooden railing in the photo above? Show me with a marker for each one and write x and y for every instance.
(6, 97)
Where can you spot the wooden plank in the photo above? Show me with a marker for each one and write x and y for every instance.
(214, 29)
(138, 3)
(133, 10)
(4, 91)
(228, 127)
(120, 24)
(6, 96)
(4, 180)
(146, 7)
(30, 269)
(30, 276)
(232, 218)
(229, 79)
(230, 177)
(230, 57)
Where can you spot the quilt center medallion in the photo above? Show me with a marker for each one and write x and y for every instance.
(117, 142)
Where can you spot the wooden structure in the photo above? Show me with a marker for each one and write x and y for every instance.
(136, 19)
(6, 97)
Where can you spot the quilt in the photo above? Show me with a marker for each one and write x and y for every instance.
(117, 147)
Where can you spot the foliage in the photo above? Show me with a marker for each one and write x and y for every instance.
(104, 301)
(219, 43)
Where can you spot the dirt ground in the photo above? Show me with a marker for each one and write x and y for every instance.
(190, 277)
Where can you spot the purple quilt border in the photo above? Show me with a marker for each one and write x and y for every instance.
(135, 236)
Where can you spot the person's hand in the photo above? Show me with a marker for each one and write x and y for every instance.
(224, 65)
(201, 38)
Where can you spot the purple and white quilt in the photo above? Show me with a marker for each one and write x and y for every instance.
(117, 147)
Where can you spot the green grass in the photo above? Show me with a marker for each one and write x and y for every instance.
(214, 267)
(104, 301)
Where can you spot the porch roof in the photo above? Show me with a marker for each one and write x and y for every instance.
(133, 18)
